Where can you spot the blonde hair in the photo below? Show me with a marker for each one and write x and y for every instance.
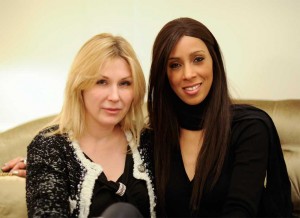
(84, 73)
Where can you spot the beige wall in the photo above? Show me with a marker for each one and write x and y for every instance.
(260, 40)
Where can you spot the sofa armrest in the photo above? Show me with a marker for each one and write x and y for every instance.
(12, 200)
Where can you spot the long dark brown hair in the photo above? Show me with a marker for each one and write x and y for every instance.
(162, 117)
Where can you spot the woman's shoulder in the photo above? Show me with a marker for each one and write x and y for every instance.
(249, 120)
(248, 113)
(47, 138)
(146, 139)
(146, 134)
(146, 142)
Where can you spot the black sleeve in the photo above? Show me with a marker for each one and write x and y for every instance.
(46, 182)
(249, 166)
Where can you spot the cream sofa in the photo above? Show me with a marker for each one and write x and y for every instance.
(13, 142)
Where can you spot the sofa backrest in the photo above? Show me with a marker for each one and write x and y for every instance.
(13, 142)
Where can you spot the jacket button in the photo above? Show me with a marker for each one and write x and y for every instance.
(141, 168)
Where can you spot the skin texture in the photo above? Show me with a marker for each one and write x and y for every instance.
(106, 104)
(190, 70)
(108, 101)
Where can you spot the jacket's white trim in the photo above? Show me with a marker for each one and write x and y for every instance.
(137, 161)
(93, 171)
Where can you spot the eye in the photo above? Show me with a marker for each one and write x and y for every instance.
(198, 59)
(125, 83)
(174, 65)
(101, 82)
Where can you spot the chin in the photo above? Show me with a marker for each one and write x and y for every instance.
(194, 101)
(111, 122)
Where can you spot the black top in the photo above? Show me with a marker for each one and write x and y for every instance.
(104, 193)
(240, 190)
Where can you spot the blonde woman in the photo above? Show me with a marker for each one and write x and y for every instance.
(88, 158)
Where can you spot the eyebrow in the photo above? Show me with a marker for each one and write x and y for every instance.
(193, 53)
(128, 77)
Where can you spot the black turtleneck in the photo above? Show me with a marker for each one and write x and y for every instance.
(190, 117)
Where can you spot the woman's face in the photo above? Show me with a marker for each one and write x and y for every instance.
(190, 70)
(109, 100)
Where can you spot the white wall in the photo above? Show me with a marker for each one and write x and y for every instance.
(260, 40)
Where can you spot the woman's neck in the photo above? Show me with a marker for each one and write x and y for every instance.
(107, 149)
(102, 139)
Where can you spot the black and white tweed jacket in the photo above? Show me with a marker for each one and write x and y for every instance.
(66, 189)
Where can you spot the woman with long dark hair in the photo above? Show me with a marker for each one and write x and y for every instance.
(211, 156)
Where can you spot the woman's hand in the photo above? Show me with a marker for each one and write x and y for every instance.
(16, 166)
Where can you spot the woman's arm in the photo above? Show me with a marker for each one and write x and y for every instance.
(47, 187)
(249, 166)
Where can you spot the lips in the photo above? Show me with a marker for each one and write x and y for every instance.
(112, 110)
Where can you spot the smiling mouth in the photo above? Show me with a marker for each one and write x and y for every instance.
(192, 88)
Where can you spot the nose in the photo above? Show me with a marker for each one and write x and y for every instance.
(188, 72)
(113, 94)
